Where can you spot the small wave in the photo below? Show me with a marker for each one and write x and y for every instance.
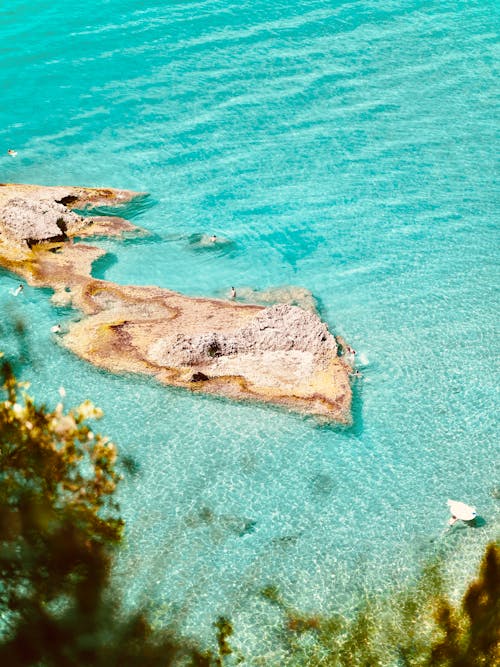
(363, 359)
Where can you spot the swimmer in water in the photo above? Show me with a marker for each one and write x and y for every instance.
(17, 291)
(213, 238)
(56, 328)
(233, 293)
(12, 153)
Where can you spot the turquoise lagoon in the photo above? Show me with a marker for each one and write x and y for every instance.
(346, 147)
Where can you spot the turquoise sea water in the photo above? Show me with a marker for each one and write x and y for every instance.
(347, 147)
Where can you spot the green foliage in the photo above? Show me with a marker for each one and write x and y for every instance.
(59, 526)
(471, 635)
(224, 630)
(57, 481)
(416, 627)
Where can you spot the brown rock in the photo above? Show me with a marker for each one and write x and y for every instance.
(282, 354)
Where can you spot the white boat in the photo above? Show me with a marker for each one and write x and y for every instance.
(460, 511)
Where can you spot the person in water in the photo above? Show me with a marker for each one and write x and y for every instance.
(12, 153)
(213, 238)
(17, 291)
(233, 293)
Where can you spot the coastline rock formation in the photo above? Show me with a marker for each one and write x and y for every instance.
(38, 214)
(280, 354)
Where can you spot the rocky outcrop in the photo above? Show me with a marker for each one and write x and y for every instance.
(281, 328)
(281, 354)
(34, 221)
(35, 214)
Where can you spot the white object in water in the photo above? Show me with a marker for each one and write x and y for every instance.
(56, 328)
(17, 291)
(460, 511)
(362, 359)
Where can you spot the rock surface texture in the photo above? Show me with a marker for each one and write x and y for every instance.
(280, 354)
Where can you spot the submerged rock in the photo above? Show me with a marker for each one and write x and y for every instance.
(208, 242)
(289, 294)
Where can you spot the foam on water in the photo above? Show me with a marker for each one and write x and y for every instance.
(349, 150)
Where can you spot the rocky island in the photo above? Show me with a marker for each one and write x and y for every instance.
(281, 354)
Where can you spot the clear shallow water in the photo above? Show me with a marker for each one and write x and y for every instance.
(349, 148)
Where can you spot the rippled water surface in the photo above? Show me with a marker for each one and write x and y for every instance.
(346, 147)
